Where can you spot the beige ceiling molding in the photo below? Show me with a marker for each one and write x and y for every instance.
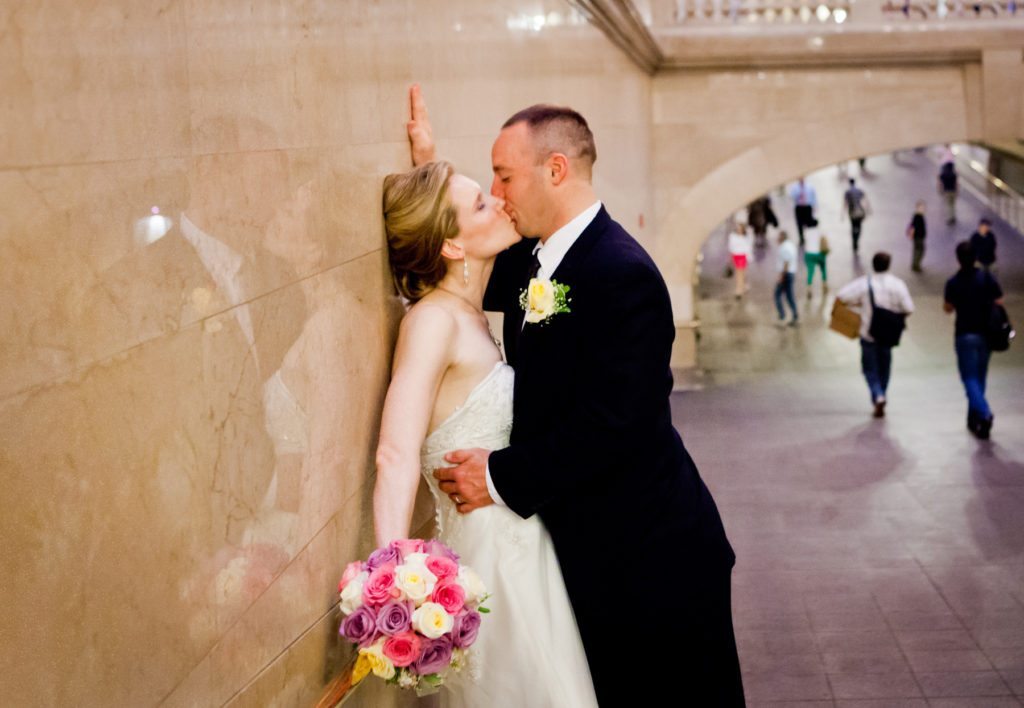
(668, 47)
(622, 24)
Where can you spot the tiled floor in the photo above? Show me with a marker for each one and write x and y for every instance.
(880, 562)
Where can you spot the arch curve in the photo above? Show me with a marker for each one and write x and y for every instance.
(781, 158)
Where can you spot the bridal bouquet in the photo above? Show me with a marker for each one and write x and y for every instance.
(413, 611)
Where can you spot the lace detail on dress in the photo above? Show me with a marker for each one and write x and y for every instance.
(483, 420)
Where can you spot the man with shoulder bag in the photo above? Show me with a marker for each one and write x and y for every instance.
(884, 303)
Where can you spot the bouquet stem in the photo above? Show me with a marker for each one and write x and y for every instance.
(339, 688)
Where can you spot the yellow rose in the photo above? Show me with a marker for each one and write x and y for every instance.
(361, 669)
(379, 664)
(541, 302)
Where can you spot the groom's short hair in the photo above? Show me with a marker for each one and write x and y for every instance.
(557, 129)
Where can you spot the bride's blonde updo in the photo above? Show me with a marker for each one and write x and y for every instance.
(418, 217)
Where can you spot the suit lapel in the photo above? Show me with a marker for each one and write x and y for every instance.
(577, 253)
(571, 263)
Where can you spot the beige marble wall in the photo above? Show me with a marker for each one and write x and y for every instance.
(723, 137)
(189, 398)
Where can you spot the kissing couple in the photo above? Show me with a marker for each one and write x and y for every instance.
(556, 471)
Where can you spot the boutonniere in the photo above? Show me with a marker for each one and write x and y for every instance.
(543, 299)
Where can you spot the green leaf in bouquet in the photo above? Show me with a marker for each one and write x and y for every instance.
(429, 684)
(483, 610)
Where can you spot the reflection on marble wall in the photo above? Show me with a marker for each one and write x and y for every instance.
(197, 320)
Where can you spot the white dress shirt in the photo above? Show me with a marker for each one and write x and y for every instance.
(550, 254)
(890, 292)
(785, 257)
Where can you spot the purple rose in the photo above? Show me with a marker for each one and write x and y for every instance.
(435, 657)
(383, 556)
(465, 628)
(360, 627)
(436, 548)
(394, 618)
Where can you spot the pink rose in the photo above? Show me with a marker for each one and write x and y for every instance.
(402, 649)
(380, 586)
(442, 567)
(351, 570)
(434, 547)
(405, 546)
(449, 595)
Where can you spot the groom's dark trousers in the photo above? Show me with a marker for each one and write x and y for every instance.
(641, 545)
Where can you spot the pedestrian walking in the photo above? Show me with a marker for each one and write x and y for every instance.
(917, 230)
(741, 249)
(949, 188)
(816, 250)
(972, 293)
(983, 243)
(786, 261)
(805, 201)
(946, 154)
(759, 217)
(857, 207)
(866, 294)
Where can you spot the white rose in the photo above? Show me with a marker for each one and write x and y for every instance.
(416, 559)
(407, 680)
(352, 595)
(415, 581)
(431, 620)
(541, 300)
(471, 583)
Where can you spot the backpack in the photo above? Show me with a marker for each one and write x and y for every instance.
(999, 332)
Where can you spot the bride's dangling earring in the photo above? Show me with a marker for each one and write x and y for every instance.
(465, 271)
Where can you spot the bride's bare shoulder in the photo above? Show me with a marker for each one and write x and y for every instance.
(429, 312)
(427, 321)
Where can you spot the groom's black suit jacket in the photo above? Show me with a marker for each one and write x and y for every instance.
(594, 453)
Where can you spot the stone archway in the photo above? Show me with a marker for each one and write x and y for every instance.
(782, 157)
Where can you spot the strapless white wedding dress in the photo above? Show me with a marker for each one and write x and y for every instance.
(528, 653)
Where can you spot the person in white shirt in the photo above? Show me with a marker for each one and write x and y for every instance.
(785, 258)
(815, 254)
(741, 248)
(891, 293)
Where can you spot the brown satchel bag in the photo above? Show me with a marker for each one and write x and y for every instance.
(844, 320)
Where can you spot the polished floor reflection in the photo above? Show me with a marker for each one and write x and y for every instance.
(880, 562)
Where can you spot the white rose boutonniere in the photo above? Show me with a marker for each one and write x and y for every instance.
(544, 299)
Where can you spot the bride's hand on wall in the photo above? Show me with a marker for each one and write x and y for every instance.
(421, 135)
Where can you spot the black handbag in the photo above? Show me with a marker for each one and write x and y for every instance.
(886, 326)
(1000, 332)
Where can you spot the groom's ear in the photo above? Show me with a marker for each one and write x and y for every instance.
(557, 167)
(452, 251)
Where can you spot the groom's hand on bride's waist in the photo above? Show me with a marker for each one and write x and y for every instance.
(466, 482)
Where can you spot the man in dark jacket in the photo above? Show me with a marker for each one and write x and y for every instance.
(593, 451)
(983, 245)
(971, 293)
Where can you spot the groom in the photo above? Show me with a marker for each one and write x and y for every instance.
(643, 553)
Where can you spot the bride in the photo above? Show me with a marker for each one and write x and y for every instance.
(450, 389)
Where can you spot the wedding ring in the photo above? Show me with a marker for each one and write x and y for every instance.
(458, 499)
